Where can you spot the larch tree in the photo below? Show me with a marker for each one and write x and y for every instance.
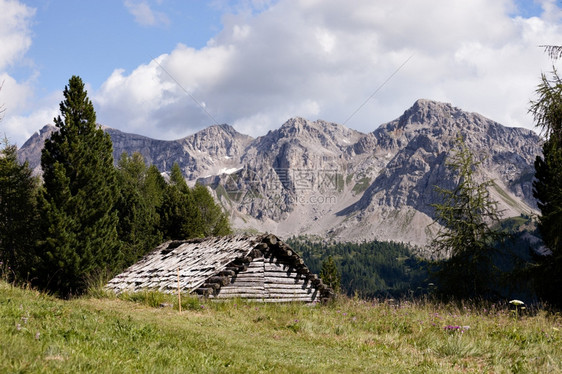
(215, 221)
(77, 203)
(547, 187)
(466, 237)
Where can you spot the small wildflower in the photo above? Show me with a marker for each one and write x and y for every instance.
(18, 327)
(37, 335)
(517, 302)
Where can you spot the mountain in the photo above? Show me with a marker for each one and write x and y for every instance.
(321, 178)
(210, 151)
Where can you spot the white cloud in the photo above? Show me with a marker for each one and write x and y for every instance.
(322, 59)
(15, 40)
(13, 95)
(15, 31)
(145, 15)
(19, 128)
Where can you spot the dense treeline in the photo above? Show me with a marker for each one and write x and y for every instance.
(368, 269)
(89, 219)
(389, 269)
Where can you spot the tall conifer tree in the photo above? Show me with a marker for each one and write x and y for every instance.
(79, 232)
(215, 221)
(547, 111)
(179, 216)
(466, 214)
(137, 206)
(18, 213)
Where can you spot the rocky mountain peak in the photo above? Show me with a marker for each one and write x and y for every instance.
(312, 134)
(322, 178)
(221, 130)
(31, 150)
(217, 141)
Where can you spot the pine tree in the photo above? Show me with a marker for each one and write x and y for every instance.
(466, 237)
(330, 274)
(137, 206)
(79, 231)
(18, 214)
(547, 111)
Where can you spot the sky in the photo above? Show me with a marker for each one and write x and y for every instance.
(169, 68)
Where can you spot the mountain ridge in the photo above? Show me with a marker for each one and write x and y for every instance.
(322, 178)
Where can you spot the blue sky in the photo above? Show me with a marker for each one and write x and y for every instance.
(256, 63)
(92, 38)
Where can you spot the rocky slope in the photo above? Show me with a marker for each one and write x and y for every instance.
(324, 179)
(214, 150)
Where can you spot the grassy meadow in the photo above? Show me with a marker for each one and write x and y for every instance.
(133, 334)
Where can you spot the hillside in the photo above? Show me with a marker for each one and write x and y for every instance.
(321, 178)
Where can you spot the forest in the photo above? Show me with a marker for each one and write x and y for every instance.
(86, 219)
(378, 269)
(368, 269)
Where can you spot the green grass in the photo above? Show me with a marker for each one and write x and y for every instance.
(506, 198)
(361, 185)
(125, 335)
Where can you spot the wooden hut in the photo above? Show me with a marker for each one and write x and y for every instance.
(261, 268)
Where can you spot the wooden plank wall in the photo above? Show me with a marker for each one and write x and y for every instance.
(268, 279)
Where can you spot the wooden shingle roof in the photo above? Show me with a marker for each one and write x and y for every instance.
(204, 266)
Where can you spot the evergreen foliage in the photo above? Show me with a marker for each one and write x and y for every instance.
(466, 236)
(18, 214)
(369, 269)
(176, 178)
(547, 111)
(179, 216)
(190, 212)
(330, 274)
(78, 200)
(215, 221)
(140, 197)
(155, 186)
(89, 219)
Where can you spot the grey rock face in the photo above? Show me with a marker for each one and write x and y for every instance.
(325, 179)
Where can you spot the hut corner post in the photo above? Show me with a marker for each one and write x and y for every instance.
(179, 291)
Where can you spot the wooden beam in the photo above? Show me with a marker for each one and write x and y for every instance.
(223, 281)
